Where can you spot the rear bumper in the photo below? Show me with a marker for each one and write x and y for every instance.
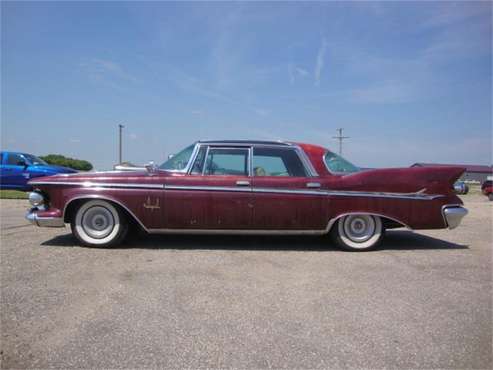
(44, 220)
(453, 215)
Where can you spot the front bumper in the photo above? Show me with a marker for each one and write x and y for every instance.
(453, 215)
(44, 219)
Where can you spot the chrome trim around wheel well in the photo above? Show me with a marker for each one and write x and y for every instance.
(109, 199)
(332, 221)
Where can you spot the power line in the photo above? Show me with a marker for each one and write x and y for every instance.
(340, 138)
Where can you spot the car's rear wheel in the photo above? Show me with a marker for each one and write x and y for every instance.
(358, 232)
(98, 223)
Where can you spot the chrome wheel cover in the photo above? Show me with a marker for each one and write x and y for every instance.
(359, 228)
(97, 222)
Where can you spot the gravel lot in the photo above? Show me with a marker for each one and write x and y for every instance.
(424, 301)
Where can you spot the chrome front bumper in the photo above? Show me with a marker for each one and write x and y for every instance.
(32, 217)
(453, 215)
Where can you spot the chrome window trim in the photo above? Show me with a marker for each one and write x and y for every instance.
(195, 156)
(249, 174)
(305, 161)
(190, 161)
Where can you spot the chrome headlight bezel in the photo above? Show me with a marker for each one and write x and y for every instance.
(36, 199)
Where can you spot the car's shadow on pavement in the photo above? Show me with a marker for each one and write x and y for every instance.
(394, 240)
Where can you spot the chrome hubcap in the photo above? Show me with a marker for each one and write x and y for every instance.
(98, 222)
(359, 228)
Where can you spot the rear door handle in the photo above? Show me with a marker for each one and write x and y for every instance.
(314, 185)
(242, 183)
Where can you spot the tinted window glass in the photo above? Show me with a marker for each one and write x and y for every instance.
(227, 162)
(34, 160)
(277, 162)
(15, 159)
(198, 165)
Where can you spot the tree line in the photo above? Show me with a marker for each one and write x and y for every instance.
(60, 160)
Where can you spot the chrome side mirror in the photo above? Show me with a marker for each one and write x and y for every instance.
(151, 167)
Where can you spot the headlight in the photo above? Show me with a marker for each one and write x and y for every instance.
(36, 199)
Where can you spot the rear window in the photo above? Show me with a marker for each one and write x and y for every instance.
(337, 164)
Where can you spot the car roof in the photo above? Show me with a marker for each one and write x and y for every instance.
(246, 142)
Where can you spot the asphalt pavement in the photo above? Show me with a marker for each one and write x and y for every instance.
(423, 301)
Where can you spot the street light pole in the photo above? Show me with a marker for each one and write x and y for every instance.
(120, 127)
(340, 138)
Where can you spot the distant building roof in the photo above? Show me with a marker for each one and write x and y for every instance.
(468, 167)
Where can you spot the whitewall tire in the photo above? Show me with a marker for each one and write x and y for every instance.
(98, 223)
(358, 232)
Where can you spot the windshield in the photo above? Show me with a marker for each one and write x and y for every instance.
(34, 160)
(179, 161)
(337, 164)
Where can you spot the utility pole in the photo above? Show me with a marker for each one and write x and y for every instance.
(340, 138)
(120, 127)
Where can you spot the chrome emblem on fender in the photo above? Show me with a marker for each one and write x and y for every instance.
(151, 206)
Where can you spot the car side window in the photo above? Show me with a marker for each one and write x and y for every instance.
(227, 161)
(277, 162)
(15, 159)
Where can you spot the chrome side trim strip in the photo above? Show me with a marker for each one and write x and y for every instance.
(90, 184)
(208, 188)
(237, 232)
(419, 195)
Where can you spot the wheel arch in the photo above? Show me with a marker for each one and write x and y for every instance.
(388, 222)
(71, 206)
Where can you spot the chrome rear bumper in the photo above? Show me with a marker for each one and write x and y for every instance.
(453, 215)
(32, 217)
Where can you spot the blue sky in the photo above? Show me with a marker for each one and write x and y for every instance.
(408, 81)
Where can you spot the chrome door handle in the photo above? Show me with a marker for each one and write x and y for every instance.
(242, 183)
(313, 185)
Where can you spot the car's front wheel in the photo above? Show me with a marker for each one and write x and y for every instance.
(98, 223)
(358, 232)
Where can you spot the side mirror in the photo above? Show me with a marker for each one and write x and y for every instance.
(151, 168)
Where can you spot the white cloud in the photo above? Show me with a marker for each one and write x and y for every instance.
(319, 65)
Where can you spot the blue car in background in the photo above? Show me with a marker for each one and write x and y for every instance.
(16, 169)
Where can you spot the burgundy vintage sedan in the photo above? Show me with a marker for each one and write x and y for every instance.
(250, 187)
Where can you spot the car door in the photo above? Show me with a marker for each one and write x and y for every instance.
(285, 196)
(215, 194)
(14, 174)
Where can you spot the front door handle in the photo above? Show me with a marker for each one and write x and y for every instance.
(314, 185)
(242, 183)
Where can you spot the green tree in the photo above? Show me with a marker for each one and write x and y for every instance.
(60, 160)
